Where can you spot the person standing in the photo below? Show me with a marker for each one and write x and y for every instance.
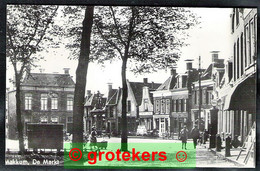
(184, 136)
(195, 134)
(93, 138)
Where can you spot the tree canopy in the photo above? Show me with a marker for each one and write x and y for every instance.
(158, 33)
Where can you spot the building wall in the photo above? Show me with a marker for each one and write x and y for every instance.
(35, 114)
(243, 60)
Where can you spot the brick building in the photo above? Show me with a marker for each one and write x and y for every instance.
(46, 98)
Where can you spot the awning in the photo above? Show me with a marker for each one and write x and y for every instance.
(242, 96)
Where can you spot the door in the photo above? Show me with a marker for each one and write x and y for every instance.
(162, 128)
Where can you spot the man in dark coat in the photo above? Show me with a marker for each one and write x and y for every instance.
(184, 136)
(195, 134)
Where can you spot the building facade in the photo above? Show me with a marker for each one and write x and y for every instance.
(172, 104)
(146, 104)
(236, 94)
(45, 98)
(94, 112)
(213, 74)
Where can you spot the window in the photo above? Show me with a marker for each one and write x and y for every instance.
(168, 106)
(28, 102)
(70, 119)
(145, 104)
(237, 16)
(44, 119)
(241, 55)
(229, 71)
(129, 106)
(182, 105)
(54, 102)
(177, 105)
(198, 97)
(234, 62)
(210, 97)
(157, 106)
(174, 105)
(249, 45)
(44, 101)
(54, 119)
(204, 94)
(252, 39)
(246, 35)
(238, 56)
(70, 102)
(163, 106)
(111, 111)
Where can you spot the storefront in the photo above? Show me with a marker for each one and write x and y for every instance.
(162, 124)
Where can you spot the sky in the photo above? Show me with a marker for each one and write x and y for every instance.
(212, 34)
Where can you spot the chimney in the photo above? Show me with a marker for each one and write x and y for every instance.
(109, 86)
(214, 57)
(189, 64)
(66, 70)
(145, 80)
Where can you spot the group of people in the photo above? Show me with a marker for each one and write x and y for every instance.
(195, 135)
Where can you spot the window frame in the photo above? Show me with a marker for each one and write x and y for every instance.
(44, 102)
(28, 101)
(54, 102)
(70, 99)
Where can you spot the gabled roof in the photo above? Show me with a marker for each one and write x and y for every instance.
(208, 72)
(48, 79)
(168, 84)
(137, 88)
(93, 101)
(113, 96)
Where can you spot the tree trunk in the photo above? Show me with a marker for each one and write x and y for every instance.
(81, 74)
(124, 146)
(18, 113)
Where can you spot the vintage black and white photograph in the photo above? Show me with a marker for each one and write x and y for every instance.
(97, 76)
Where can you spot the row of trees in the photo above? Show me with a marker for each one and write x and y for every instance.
(149, 37)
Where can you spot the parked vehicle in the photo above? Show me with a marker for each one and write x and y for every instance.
(141, 130)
